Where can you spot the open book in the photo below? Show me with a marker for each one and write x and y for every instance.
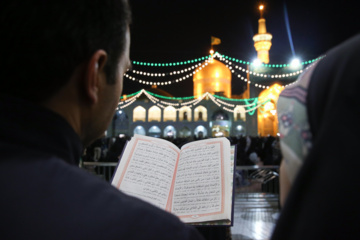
(195, 182)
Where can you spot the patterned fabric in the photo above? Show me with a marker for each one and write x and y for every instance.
(323, 202)
(295, 135)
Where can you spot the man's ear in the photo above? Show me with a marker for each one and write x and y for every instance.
(94, 75)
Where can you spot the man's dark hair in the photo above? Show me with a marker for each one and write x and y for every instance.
(43, 41)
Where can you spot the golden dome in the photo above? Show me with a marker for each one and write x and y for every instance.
(214, 69)
(213, 78)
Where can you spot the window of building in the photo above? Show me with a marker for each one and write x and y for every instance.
(219, 115)
(120, 124)
(139, 114)
(170, 132)
(154, 131)
(121, 116)
(200, 132)
(140, 130)
(154, 114)
(184, 132)
(239, 114)
(169, 114)
(200, 114)
(185, 114)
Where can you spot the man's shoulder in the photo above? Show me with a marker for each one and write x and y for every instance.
(106, 207)
(70, 202)
(134, 218)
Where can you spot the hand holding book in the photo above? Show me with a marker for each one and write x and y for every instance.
(194, 183)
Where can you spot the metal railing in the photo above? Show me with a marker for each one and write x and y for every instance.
(104, 170)
(258, 178)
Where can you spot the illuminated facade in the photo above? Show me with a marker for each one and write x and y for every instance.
(262, 40)
(215, 78)
(267, 118)
(207, 118)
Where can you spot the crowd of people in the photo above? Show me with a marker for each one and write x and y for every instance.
(249, 150)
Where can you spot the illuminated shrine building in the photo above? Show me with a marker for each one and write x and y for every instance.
(205, 119)
(160, 115)
(262, 42)
(215, 78)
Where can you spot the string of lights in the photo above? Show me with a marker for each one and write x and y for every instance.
(270, 65)
(202, 66)
(284, 75)
(248, 107)
(250, 111)
(130, 95)
(245, 79)
(166, 73)
(131, 100)
(171, 98)
(198, 67)
(171, 64)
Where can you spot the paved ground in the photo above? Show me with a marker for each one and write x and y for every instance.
(255, 213)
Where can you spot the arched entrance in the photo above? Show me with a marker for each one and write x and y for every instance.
(220, 124)
(200, 132)
(267, 115)
(140, 130)
(155, 131)
(170, 132)
(120, 124)
(184, 132)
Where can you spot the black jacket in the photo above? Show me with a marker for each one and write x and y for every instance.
(45, 195)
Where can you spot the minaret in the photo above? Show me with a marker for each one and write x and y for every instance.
(262, 40)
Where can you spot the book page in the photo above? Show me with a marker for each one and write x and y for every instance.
(146, 169)
(231, 181)
(201, 191)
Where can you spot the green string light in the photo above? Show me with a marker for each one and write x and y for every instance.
(249, 107)
(192, 97)
(247, 101)
(233, 99)
(170, 98)
(170, 64)
(223, 56)
(271, 65)
(129, 95)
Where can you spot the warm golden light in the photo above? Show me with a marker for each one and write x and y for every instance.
(269, 106)
(139, 114)
(267, 120)
(262, 40)
(200, 114)
(215, 77)
(199, 90)
(211, 51)
(154, 114)
(169, 114)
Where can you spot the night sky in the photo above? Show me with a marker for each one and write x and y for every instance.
(178, 30)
